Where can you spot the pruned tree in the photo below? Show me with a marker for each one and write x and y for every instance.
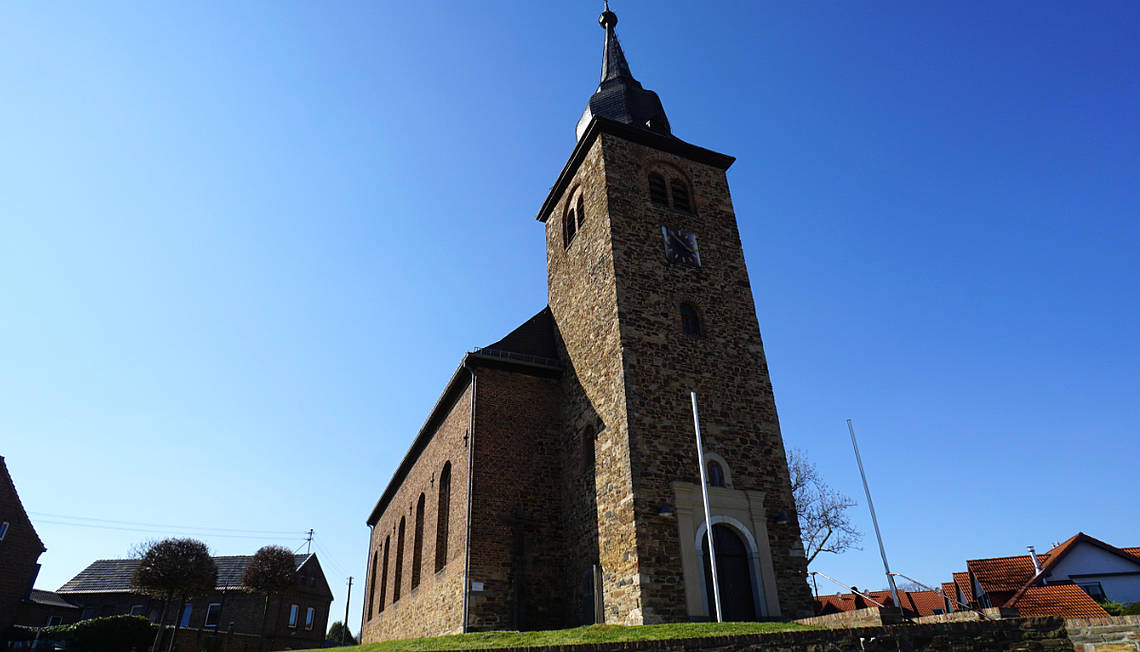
(338, 632)
(272, 571)
(824, 523)
(174, 568)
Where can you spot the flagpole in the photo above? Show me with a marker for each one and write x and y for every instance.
(708, 513)
(874, 519)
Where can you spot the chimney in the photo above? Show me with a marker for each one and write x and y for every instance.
(1036, 564)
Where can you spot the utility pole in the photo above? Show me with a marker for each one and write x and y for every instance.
(309, 543)
(344, 630)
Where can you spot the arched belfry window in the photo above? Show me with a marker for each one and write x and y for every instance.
(680, 195)
(715, 474)
(580, 207)
(658, 191)
(418, 543)
(569, 227)
(690, 321)
(443, 517)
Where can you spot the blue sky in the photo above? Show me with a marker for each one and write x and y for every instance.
(242, 248)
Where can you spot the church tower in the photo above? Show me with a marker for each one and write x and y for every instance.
(651, 300)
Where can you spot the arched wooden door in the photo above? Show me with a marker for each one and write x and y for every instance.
(734, 573)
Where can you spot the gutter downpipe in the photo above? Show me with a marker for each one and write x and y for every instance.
(364, 598)
(470, 484)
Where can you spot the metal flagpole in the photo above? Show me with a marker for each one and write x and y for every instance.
(708, 513)
(874, 519)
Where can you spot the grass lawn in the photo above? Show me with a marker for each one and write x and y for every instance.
(588, 634)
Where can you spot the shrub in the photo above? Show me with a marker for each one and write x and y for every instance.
(1131, 610)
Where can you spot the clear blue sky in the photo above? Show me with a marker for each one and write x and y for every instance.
(244, 245)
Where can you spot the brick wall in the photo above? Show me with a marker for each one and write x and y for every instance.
(19, 550)
(517, 549)
(435, 606)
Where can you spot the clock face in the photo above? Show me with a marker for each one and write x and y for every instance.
(681, 247)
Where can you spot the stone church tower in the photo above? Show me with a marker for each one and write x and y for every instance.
(555, 482)
(650, 295)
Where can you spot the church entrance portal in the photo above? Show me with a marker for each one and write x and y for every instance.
(733, 574)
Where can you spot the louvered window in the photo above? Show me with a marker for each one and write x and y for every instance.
(658, 194)
(690, 322)
(680, 195)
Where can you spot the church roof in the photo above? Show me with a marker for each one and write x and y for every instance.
(533, 341)
(619, 96)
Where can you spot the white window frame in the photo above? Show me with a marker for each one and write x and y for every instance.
(310, 616)
(137, 610)
(209, 608)
(293, 609)
(3, 530)
(52, 621)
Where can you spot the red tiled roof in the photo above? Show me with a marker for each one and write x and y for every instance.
(962, 581)
(1135, 552)
(925, 602)
(949, 592)
(999, 574)
(1065, 600)
(1080, 537)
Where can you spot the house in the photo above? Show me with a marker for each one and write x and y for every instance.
(1068, 580)
(295, 620)
(914, 604)
(20, 550)
(556, 480)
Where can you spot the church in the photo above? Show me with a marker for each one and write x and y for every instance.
(556, 480)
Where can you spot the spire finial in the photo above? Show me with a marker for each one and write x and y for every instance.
(608, 18)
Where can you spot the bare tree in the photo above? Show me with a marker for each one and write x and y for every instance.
(824, 523)
(272, 571)
(174, 568)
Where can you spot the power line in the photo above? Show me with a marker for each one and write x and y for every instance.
(163, 525)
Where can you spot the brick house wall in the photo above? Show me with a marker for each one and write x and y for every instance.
(19, 550)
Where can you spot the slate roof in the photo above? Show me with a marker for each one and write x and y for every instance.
(1065, 600)
(50, 599)
(114, 575)
(535, 338)
(619, 96)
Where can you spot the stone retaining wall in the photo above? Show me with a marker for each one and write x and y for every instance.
(1118, 634)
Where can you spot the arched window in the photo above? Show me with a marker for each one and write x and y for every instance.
(418, 543)
(399, 562)
(716, 474)
(581, 208)
(658, 193)
(680, 195)
(569, 227)
(384, 574)
(443, 514)
(690, 322)
(588, 435)
(372, 585)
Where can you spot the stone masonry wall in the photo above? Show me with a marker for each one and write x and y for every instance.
(583, 300)
(726, 367)
(1115, 634)
(517, 550)
(435, 606)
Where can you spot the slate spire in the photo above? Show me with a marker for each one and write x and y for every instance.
(619, 96)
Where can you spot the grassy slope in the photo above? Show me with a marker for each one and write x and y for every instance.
(589, 634)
